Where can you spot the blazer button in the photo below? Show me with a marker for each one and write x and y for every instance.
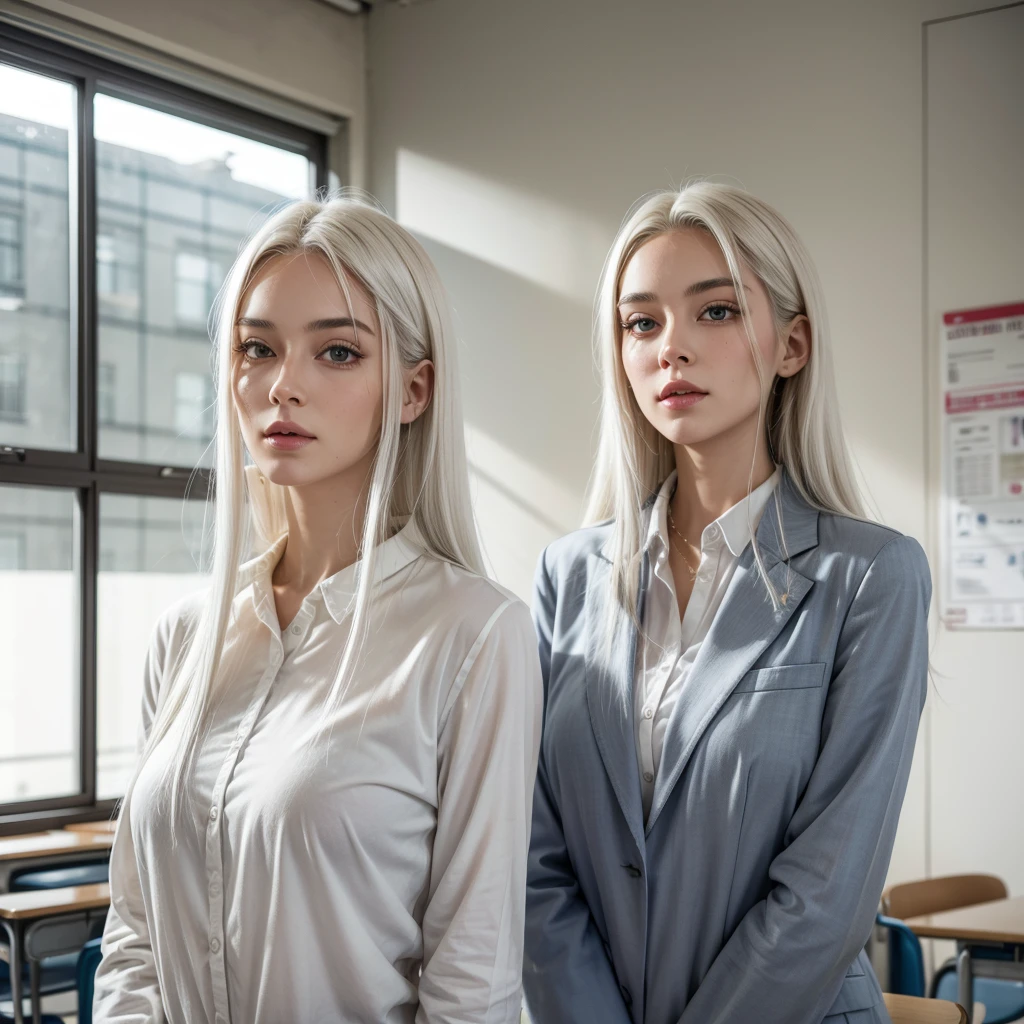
(632, 870)
(626, 997)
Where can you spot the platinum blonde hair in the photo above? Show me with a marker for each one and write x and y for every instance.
(419, 471)
(799, 414)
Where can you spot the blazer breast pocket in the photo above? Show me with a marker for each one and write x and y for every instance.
(782, 677)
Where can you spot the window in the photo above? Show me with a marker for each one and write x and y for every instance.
(12, 386)
(106, 400)
(195, 282)
(117, 270)
(10, 254)
(12, 552)
(193, 405)
(97, 528)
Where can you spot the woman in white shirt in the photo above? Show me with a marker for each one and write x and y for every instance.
(735, 661)
(330, 817)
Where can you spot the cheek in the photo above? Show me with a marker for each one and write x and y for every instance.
(639, 360)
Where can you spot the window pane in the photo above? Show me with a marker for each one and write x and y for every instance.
(39, 674)
(149, 548)
(187, 195)
(37, 118)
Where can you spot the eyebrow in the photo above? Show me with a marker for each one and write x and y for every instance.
(695, 289)
(330, 324)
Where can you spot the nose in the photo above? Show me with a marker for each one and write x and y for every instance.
(288, 388)
(675, 349)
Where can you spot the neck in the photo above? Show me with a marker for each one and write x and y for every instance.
(325, 525)
(714, 476)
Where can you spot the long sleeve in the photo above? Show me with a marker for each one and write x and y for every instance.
(787, 958)
(567, 975)
(127, 990)
(487, 762)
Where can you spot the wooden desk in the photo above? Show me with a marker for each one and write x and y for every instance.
(908, 1010)
(47, 922)
(100, 828)
(52, 844)
(1000, 922)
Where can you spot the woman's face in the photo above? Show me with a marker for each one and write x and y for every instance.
(684, 348)
(307, 374)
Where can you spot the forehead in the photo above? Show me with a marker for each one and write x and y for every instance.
(302, 286)
(672, 261)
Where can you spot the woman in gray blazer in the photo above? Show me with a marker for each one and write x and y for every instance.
(735, 660)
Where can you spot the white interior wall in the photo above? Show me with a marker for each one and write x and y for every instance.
(513, 136)
(975, 257)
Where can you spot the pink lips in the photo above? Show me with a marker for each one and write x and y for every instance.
(286, 436)
(673, 397)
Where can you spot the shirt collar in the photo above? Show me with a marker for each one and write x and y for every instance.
(737, 523)
(338, 590)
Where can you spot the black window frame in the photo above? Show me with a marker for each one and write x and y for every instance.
(81, 469)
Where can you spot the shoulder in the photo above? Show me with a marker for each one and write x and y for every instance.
(175, 625)
(871, 547)
(471, 604)
(566, 558)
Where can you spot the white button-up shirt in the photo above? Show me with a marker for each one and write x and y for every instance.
(382, 880)
(668, 647)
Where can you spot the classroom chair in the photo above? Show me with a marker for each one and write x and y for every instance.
(1003, 999)
(88, 961)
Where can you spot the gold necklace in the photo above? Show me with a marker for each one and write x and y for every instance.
(679, 551)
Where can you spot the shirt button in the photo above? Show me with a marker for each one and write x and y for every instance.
(215, 886)
(296, 630)
(648, 712)
(213, 813)
(712, 532)
(215, 945)
(648, 776)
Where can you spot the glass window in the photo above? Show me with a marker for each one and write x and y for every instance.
(196, 279)
(106, 393)
(150, 549)
(190, 194)
(117, 270)
(11, 276)
(12, 387)
(37, 119)
(193, 405)
(12, 551)
(39, 682)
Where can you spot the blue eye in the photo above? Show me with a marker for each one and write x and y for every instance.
(719, 313)
(641, 325)
(340, 355)
(255, 350)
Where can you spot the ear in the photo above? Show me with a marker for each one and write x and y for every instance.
(417, 390)
(796, 350)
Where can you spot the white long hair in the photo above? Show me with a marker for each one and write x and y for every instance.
(419, 471)
(800, 413)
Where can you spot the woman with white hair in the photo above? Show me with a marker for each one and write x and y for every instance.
(330, 817)
(735, 659)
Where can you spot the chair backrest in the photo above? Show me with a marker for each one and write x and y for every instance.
(88, 961)
(934, 895)
(906, 961)
(909, 1010)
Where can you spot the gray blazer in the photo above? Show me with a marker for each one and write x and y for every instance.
(749, 895)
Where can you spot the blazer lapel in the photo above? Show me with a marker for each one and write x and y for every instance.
(609, 675)
(743, 628)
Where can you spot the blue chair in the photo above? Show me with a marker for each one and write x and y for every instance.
(1003, 999)
(58, 973)
(88, 961)
(58, 878)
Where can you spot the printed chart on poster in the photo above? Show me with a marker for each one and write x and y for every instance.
(982, 515)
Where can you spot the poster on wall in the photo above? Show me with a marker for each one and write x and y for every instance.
(982, 514)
